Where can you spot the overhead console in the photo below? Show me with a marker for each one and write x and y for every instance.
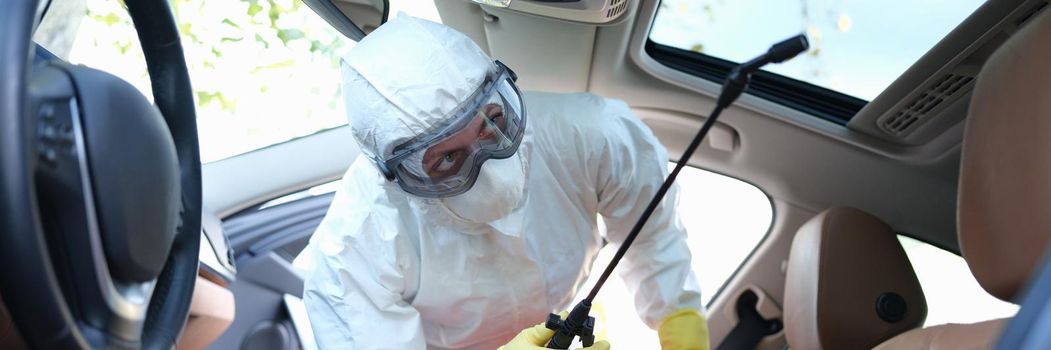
(581, 11)
(548, 43)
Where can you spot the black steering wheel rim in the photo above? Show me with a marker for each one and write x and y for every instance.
(31, 288)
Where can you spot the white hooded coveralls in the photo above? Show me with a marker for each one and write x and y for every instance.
(393, 271)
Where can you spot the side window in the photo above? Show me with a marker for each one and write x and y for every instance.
(725, 219)
(263, 71)
(953, 295)
(98, 34)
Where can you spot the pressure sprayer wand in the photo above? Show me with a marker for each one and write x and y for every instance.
(578, 323)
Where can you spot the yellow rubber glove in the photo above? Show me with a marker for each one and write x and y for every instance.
(685, 329)
(535, 337)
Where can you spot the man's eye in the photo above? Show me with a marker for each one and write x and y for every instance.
(447, 162)
(498, 120)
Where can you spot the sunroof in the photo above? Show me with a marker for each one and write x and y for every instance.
(857, 47)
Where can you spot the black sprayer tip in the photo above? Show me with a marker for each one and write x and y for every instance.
(788, 48)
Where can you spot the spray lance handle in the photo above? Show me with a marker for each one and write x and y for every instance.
(578, 323)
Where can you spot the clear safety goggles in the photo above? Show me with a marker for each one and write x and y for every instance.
(446, 160)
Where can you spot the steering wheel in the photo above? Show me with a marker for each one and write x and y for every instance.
(100, 191)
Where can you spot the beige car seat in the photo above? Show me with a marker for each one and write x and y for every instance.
(1004, 213)
(1004, 220)
(849, 284)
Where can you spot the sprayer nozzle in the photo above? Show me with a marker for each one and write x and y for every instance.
(788, 48)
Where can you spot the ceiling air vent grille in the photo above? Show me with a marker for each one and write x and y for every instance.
(919, 109)
(616, 7)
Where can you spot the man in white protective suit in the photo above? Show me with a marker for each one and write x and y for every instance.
(472, 212)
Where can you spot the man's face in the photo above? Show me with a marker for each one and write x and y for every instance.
(445, 158)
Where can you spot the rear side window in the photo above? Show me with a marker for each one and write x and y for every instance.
(953, 295)
(725, 219)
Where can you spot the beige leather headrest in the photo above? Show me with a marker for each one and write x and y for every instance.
(849, 284)
(1004, 212)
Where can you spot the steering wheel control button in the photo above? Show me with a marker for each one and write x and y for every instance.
(54, 132)
(49, 155)
(47, 111)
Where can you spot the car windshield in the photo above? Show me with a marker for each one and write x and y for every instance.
(857, 47)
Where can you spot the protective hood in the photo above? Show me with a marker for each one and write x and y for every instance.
(406, 77)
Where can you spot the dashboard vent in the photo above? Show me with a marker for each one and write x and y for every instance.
(912, 115)
(616, 7)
